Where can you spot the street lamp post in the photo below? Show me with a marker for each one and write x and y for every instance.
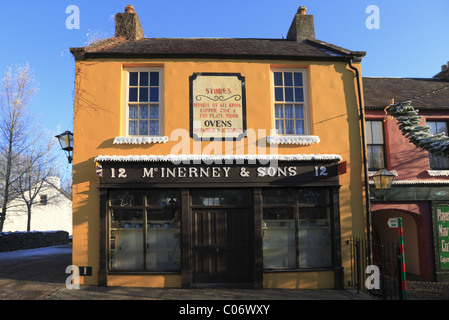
(66, 141)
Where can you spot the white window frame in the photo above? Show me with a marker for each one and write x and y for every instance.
(307, 128)
(299, 139)
(141, 138)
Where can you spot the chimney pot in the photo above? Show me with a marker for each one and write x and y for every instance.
(302, 10)
(129, 9)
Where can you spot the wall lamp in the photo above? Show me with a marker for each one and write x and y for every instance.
(66, 141)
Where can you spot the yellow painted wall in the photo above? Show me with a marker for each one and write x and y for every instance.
(100, 108)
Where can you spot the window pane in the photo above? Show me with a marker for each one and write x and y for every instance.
(278, 196)
(154, 79)
(289, 111)
(288, 78)
(154, 128)
(369, 136)
(279, 94)
(300, 127)
(279, 111)
(133, 112)
(133, 78)
(126, 243)
(442, 127)
(378, 137)
(126, 198)
(143, 97)
(299, 95)
(144, 79)
(279, 244)
(289, 127)
(375, 157)
(235, 197)
(154, 94)
(133, 128)
(143, 128)
(164, 198)
(433, 126)
(133, 94)
(299, 111)
(278, 79)
(163, 242)
(280, 126)
(154, 112)
(143, 112)
(289, 94)
(298, 79)
(314, 238)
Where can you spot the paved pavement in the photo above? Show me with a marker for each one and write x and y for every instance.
(39, 274)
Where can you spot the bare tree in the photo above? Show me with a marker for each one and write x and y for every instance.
(16, 92)
(37, 164)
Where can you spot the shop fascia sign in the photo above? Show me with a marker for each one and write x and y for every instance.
(167, 172)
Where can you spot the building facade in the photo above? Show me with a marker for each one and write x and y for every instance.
(202, 162)
(420, 191)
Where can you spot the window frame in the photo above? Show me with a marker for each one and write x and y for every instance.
(297, 208)
(161, 101)
(305, 102)
(145, 206)
(384, 152)
(438, 158)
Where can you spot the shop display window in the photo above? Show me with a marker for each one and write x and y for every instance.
(296, 228)
(149, 241)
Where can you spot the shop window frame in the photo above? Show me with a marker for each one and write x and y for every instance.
(296, 207)
(145, 207)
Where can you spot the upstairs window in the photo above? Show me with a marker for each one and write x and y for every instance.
(290, 109)
(375, 145)
(145, 102)
(438, 162)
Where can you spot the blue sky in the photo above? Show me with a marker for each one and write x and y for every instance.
(412, 40)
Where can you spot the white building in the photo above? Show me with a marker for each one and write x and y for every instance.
(51, 210)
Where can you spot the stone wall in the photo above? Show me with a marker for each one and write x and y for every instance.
(11, 241)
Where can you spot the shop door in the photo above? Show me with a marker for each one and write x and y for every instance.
(222, 247)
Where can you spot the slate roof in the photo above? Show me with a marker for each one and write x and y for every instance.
(215, 48)
(426, 93)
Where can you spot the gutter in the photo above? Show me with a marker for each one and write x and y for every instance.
(365, 159)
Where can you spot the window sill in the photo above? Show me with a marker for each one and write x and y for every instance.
(140, 140)
(438, 173)
(293, 139)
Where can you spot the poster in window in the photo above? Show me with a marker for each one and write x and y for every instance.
(217, 106)
(443, 235)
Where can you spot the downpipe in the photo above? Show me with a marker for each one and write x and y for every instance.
(365, 158)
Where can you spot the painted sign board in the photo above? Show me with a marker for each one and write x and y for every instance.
(443, 235)
(217, 106)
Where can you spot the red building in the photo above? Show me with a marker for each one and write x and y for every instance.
(420, 191)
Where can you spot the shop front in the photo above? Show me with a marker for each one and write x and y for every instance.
(227, 223)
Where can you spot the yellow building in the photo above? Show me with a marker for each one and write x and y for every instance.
(202, 162)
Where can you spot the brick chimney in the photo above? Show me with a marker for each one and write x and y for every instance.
(128, 25)
(444, 73)
(303, 26)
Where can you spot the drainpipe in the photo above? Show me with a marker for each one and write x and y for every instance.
(365, 160)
